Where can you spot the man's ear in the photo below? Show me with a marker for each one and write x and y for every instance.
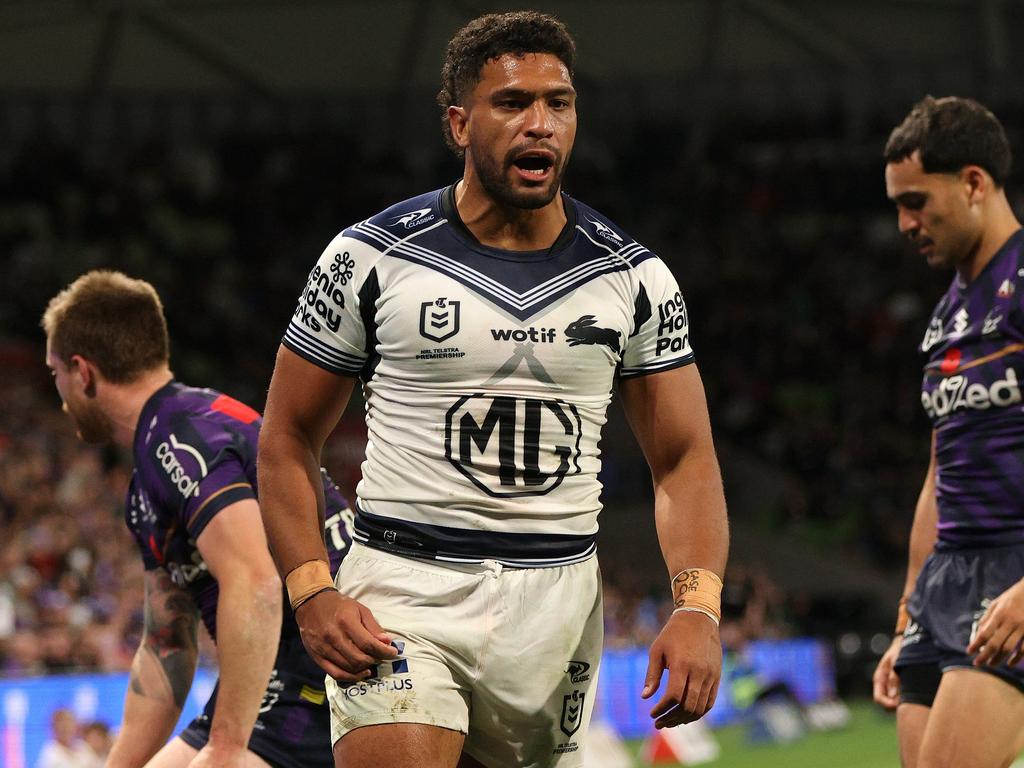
(458, 122)
(85, 373)
(977, 183)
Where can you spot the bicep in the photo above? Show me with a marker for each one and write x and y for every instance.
(305, 398)
(668, 413)
(234, 543)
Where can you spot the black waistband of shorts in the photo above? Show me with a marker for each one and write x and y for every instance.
(470, 545)
(946, 548)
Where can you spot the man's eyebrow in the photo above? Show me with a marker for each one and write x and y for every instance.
(909, 196)
(504, 93)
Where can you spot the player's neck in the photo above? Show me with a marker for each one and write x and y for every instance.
(1003, 223)
(508, 227)
(124, 402)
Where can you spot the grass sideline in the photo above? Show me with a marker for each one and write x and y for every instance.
(869, 741)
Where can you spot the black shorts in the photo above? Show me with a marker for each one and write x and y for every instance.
(951, 594)
(293, 729)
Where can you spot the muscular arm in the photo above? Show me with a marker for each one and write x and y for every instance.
(669, 416)
(248, 618)
(923, 533)
(303, 405)
(668, 413)
(161, 673)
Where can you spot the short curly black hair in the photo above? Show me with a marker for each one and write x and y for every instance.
(489, 37)
(952, 132)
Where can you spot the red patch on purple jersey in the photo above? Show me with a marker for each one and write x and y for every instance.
(951, 361)
(236, 410)
(156, 550)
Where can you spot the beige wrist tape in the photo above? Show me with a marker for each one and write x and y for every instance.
(700, 590)
(306, 580)
(902, 617)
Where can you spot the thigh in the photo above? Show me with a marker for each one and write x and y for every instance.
(399, 745)
(432, 612)
(986, 733)
(175, 754)
(534, 695)
(911, 720)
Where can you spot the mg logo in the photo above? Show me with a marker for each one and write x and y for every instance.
(439, 319)
(511, 447)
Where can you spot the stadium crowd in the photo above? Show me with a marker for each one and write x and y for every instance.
(805, 316)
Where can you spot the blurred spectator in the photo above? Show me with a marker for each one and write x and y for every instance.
(65, 749)
(98, 741)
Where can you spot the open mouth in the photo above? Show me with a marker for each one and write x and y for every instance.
(534, 166)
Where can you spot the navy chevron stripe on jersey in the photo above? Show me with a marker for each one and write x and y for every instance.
(310, 348)
(520, 286)
(439, 542)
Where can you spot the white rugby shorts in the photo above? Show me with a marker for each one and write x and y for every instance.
(507, 656)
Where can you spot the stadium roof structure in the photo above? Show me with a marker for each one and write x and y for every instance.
(316, 61)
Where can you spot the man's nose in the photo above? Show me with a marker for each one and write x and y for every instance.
(908, 222)
(538, 120)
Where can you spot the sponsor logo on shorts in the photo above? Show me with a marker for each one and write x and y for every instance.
(912, 634)
(578, 671)
(982, 610)
(383, 678)
(572, 712)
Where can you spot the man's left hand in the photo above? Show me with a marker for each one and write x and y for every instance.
(1000, 630)
(690, 649)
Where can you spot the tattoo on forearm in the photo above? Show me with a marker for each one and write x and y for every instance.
(166, 660)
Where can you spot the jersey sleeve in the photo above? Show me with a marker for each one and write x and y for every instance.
(660, 339)
(327, 328)
(149, 550)
(202, 470)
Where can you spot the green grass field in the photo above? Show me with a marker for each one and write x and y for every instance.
(869, 741)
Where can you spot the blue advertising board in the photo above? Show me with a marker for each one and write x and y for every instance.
(26, 704)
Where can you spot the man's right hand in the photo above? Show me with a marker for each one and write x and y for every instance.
(886, 682)
(342, 636)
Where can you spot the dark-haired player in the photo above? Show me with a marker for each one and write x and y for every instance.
(193, 511)
(953, 670)
(489, 322)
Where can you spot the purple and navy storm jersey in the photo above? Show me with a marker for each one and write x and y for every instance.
(195, 455)
(974, 353)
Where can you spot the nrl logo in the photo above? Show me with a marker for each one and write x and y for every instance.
(439, 319)
(413, 219)
(572, 712)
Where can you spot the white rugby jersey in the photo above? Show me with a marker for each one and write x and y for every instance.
(487, 374)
